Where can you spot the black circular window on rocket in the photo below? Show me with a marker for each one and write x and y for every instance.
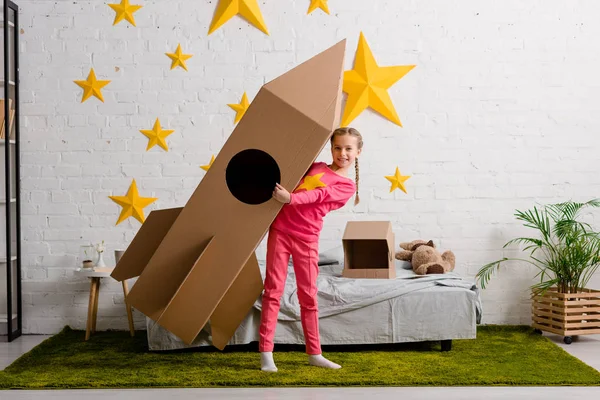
(251, 176)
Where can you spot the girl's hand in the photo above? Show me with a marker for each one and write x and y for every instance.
(281, 194)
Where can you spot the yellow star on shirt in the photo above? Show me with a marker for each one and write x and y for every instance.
(312, 182)
(178, 58)
(207, 167)
(367, 85)
(91, 87)
(397, 181)
(314, 4)
(157, 136)
(246, 8)
(124, 11)
(133, 205)
(240, 108)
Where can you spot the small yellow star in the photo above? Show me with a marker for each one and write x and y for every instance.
(246, 8)
(124, 11)
(397, 181)
(367, 85)
(314, 4)
(240, 108)
(178, 59)
(157, 136)
(207, 167)
(133, 205)
(312, 182)
(91, 87)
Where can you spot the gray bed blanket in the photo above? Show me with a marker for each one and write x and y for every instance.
(361, 311)
(337, 294)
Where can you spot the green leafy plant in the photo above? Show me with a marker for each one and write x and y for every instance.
(566, 253)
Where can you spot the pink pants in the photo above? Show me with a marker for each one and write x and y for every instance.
(305, 256)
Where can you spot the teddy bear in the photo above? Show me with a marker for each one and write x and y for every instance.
(425, 258)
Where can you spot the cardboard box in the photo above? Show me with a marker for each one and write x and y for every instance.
(369, 250)
(197, 263)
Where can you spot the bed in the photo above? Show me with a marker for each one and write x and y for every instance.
(410, 308)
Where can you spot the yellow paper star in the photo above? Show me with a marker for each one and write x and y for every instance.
(91, 87)
(178, 58)
(314, 4)
(124, 11)
(207, 167)
(240, 108)
(397, 181)
(246, 8)
(312, 182)
(367, 85)
(157, 136)
(133, 205)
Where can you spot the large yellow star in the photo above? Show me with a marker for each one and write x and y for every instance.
(397, 181)
(207, 167)
(240, 108)
(157, 136)
(314, 4)
(367, 85)
(124, 11)
(133, 205)
(178, 58)
(91, 87)
(312, 182)
(246, 8)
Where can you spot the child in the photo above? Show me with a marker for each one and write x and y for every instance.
(295, 231)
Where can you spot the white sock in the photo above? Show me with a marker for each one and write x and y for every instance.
(318, 360)
(267, 363)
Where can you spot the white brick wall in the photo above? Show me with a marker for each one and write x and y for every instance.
(500, 112)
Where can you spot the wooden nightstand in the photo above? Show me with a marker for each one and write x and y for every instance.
(95, 276)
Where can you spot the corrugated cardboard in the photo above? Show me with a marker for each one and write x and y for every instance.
(369, 250)
(197, 263)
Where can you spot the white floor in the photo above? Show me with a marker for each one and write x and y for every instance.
(586, 348)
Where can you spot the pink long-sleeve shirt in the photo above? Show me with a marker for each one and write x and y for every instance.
(320, 191)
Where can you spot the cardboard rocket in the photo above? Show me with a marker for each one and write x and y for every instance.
(197, 263)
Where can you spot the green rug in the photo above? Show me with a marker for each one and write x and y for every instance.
(501, 355)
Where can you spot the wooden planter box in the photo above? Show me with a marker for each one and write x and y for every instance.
(567, 314)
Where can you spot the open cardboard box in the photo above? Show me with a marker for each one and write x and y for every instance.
(369, 250)
(197, 263)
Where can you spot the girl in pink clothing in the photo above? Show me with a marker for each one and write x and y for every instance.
(295, 232)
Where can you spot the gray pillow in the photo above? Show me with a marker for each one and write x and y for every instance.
(332, 256)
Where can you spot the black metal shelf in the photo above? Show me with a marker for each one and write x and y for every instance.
(11, 309)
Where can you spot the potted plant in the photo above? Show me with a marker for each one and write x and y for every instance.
(566, 254)
(85, 256)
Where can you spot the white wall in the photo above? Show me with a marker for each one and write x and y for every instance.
(500, 112)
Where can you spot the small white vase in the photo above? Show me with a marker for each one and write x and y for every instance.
(100, 263)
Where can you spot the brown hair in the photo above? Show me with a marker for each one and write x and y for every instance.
(358, 136)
